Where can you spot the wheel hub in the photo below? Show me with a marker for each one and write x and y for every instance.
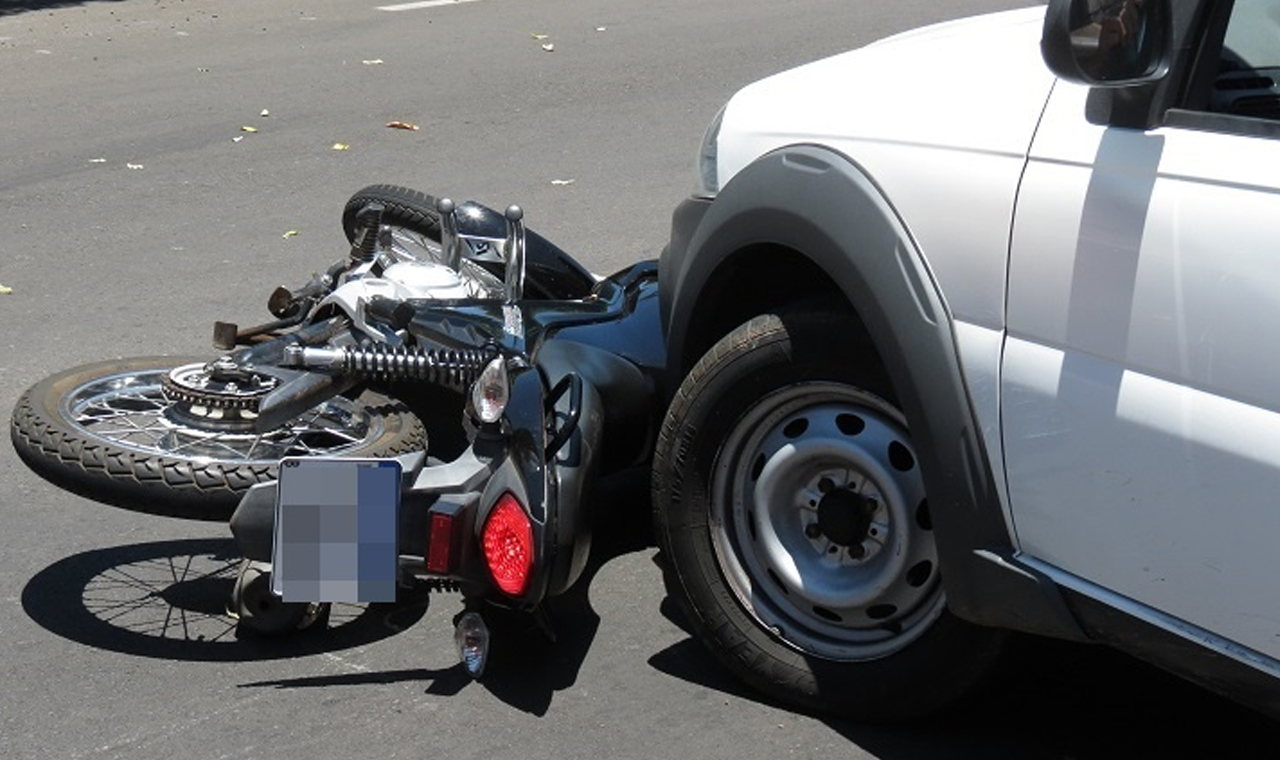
(845, 516)
(220, 394)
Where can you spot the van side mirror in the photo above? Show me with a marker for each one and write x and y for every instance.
(1107, 43)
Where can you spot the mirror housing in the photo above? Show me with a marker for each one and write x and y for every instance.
(1107, 43)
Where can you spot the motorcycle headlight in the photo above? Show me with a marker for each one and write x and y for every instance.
(708, 156)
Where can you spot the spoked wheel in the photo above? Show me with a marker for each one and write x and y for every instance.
(794, 523)
(167, 436)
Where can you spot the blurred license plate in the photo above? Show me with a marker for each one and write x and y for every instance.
(335, 530)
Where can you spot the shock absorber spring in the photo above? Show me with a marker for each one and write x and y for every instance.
(453, 368)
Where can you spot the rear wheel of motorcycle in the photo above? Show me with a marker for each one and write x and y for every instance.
(107, 431)
(792, 520)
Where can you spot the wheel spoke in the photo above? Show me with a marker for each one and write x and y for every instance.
(132, 411)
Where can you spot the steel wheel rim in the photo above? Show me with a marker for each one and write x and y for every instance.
(790, 472)
(129, 410)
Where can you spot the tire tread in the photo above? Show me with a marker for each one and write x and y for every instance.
(931, 672)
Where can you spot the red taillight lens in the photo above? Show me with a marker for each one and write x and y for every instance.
(508, 545)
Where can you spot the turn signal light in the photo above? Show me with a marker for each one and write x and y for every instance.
(472, 638)
(491, 391)
(508, 545)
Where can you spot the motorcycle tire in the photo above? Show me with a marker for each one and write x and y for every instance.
(410, 210)
(101, 431)
(551, 273)
(415, 231)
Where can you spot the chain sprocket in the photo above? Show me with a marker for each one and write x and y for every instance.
(217, 385)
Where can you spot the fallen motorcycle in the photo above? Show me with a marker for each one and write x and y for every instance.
(434, 407)
(184, 437)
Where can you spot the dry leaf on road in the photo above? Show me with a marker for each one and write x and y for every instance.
(402, 125)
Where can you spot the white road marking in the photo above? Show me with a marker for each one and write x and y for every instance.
(421, 5)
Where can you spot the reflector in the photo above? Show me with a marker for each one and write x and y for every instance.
(439, 550)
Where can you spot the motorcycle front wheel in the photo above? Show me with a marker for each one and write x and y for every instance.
(411, 218)
(108, 431)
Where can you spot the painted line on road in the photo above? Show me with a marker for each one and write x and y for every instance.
(421, 5)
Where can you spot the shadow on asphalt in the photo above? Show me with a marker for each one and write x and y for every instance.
(527, 665)
(14, 7)
(167, 600)
(1052, 700)
(526, 668)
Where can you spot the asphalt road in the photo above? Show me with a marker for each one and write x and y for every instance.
(135, 211)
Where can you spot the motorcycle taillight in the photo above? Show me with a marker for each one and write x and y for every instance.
(507, 541)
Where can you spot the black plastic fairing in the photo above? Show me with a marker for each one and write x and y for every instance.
(551, 273)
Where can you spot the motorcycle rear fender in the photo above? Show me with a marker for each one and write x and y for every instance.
(623, 356)
(555, 494)
(576, 465)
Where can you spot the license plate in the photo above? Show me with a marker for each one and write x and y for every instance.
(335, 530)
